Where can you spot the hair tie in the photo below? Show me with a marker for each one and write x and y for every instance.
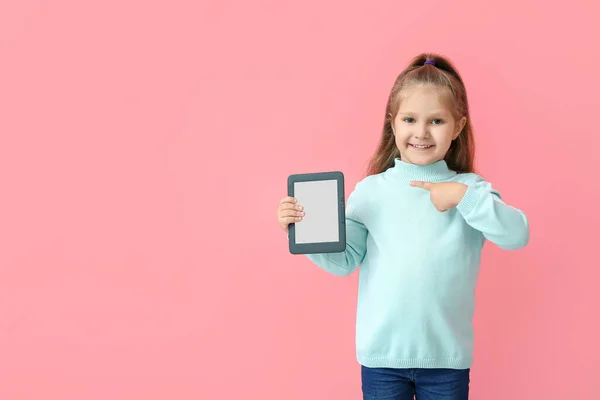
(430, 62)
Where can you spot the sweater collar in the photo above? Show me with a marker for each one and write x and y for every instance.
(436, 172)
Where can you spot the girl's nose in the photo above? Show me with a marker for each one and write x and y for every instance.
(422, 133)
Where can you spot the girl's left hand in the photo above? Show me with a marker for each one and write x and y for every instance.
(444, 195)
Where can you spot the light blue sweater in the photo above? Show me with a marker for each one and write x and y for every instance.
(419, 266)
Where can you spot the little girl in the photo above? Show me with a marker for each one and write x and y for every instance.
(416, 225)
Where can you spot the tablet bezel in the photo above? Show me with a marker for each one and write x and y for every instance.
(323, 247)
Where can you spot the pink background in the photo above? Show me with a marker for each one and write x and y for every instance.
(145, 147)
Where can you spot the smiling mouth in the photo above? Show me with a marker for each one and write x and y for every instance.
(421, 146)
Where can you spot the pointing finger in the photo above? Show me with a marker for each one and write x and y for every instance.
(422, 185)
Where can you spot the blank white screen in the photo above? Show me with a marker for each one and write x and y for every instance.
(320, 201)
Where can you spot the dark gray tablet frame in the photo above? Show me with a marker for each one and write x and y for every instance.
(324, 247)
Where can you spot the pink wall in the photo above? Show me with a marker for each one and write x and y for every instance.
(144, 149)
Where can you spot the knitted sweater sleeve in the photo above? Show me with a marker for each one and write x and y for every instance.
(483, 209)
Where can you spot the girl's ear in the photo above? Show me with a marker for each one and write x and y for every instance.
(459, 127)
(392, 124)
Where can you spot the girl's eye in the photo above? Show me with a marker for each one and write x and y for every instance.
(410, 120)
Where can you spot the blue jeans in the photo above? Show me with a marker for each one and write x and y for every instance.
(424, 383)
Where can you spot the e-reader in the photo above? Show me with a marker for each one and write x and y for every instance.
(323, 227)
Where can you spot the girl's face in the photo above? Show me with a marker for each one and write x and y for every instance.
(425, 126)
